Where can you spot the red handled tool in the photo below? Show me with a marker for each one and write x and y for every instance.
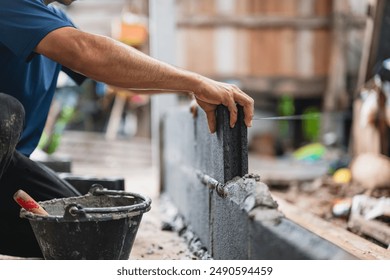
(28, 203)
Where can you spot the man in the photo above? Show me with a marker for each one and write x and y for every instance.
(36, 42)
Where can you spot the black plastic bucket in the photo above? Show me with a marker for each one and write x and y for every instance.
(99, 225)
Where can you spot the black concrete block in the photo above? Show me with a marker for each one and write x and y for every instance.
(285, 240)
(234, 143)
(188, 148)
(181, 154)
(229, 230)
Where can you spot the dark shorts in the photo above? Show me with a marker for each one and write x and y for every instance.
(19, 172)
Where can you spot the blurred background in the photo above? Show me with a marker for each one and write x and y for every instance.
(320, 64)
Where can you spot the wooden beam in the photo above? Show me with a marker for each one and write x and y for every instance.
(294, 86)
(346, 240)
(116, 115)
(336, 97)
(375, 229)
(371, 41)
(259, 21)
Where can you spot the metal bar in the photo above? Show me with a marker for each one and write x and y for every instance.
(342, 115)
(211, 183)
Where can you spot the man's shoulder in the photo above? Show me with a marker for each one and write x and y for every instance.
(23, 3)
(25, 22)
(34, 6)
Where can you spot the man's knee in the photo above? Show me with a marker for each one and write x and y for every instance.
(11, 111)
(10, 105)
(11, 119)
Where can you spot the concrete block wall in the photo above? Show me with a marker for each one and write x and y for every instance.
(231, 212)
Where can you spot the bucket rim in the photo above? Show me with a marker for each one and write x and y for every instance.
(76, 212)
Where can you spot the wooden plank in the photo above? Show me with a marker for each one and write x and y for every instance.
(280, 7)
(255, 21)
(199, 44)
(304, 44)
(377, 230)
(116, 114)
(266, 21)
(323, 7)
(280, 85)
(206, 7)
(288, 54)
(374, 46)
(261, 56)
(336, 96)
(264, 51)
(371, 39)
(322, 39)
(272, 38)
(346, 240)
(226, 41)
(242, 7)
(321, 51)
(242, 53)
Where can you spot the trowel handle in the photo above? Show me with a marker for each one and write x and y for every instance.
(28, 203)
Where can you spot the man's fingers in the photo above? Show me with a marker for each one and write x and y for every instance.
(248, 103)
(194, 108)
(212, 121)
(248, 114)
(233, 113)
(209, 109)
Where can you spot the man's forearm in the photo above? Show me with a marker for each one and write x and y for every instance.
(112, 62)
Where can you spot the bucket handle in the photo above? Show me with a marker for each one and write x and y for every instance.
(76, 210)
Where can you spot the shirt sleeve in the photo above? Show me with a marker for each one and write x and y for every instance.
(76, 77)
(24, 23)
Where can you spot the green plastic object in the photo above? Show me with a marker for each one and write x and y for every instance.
(311, 124)
(311, 152)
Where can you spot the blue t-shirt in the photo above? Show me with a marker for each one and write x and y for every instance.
(29, 77)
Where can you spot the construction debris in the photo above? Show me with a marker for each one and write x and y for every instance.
(371, 217)
(338, 197)
(342, 207)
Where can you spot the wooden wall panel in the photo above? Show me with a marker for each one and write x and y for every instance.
(188, 8)
(288, 58)
(242, 53)
(324, 7)
(199, 46)
(280, 51)
(272, 7)
(322, 51)
(273, 52)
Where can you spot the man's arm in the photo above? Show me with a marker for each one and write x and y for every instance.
(106, 60)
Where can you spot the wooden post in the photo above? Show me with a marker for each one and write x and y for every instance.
(371, 40)
(162, 46)
(336, 97)
(372, 138)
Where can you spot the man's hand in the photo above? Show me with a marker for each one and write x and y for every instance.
(212, 93)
